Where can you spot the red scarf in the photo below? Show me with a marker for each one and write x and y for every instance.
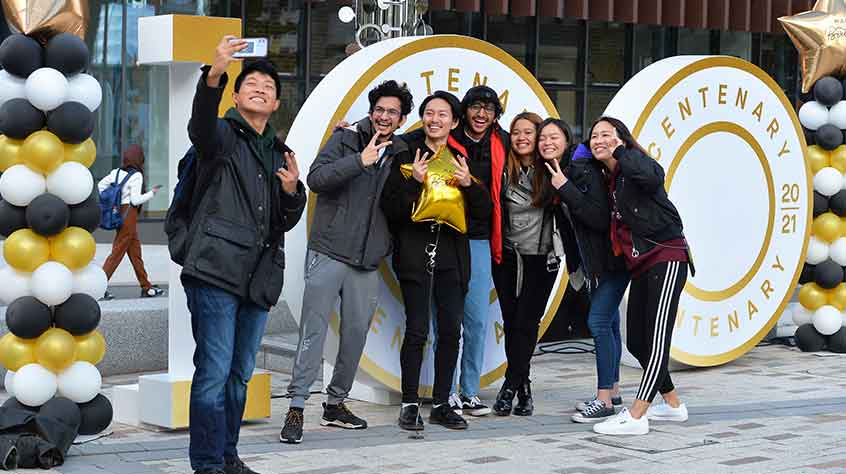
(497, 166)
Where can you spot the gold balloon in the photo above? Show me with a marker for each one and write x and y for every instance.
(816, 35)
(25, 250)
(826, 226)
(837, 297)
(818, 158)
(46, 18)
(42, 152)
(10, 152)
(16, 352)
(74, 248)
(55, 349)
(812, 297)
(90, 347)
(838, 158)
(441, 200)
(84, 153)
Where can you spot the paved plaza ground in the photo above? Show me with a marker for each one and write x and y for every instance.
(774, 410)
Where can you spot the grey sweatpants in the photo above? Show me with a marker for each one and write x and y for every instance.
(326, 280)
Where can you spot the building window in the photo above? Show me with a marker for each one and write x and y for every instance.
(329, 37)
(694, 41)
(606, 53)
(737, 44)
(648, 46)
(510, 34)
(280, 23)
(568, 103)
(558, 52)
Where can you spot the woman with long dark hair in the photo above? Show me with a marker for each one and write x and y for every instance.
(133, 197)
(432, 263)
(646, 230)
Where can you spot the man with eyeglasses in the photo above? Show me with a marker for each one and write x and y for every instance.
(349, 238)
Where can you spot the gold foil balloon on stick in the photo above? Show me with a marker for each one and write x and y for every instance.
(91, 347)
(84, 153)
(74, 248)
(812, 297)
(42, 152)
(46, 18)
(16, 352)
(819, 158)
(441, 200)
(818, 36)
(10, 152)
(55, 349)
(25, 250)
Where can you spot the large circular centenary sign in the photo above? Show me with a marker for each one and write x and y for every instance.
(733, 152)
(426, 64)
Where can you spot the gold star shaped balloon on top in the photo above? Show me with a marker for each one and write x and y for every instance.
(820, 37)
(441, 200)
(43, 19)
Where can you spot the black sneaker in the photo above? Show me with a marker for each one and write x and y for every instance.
(474, 407)
(616, 402)
(445, 416)
(341, 416)
(236, 466)
(410, 419)
(596, 411)
(107, 296)
(504, 401)
(292, 432)
(152, 292)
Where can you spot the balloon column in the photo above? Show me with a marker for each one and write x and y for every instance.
(48, 209)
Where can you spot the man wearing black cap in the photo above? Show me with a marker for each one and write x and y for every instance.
(485, 143)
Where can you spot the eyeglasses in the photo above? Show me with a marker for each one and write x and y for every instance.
(478, 106)
(391, 113)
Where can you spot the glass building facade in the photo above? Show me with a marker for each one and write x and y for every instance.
(581, 63)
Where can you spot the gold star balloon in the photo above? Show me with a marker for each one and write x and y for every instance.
(441, 200)
(820, 37)
(44, 19)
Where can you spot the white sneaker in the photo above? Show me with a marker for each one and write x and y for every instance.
(623, 424)
(664, 412)
(455, 403)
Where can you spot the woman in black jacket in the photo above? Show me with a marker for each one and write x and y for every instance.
(646, 230)
(432, 263)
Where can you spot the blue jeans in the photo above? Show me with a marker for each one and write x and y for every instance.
(228, 331)
(604, 324)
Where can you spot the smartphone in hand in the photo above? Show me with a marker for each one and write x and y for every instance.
(256, 48)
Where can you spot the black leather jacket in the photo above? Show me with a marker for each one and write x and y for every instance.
(236, 237)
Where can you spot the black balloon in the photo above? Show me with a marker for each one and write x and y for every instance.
(47, 215)
(72, 122)
(14, 404)
(12, 218)
(79, 315)
(828, 91)
(809, 136)
(837, 341)
(20, 55)
(28, 318)
(808, 339)
(828, 274)
(19, 119)
(63, 409)
(67, 53)
(807, 275)
(96, 415)
(87, 213)
(829, 137)
(836, 203)
(821, 204)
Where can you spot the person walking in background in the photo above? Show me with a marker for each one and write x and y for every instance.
(131, 174)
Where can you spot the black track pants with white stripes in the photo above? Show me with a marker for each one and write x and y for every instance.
(651, 316)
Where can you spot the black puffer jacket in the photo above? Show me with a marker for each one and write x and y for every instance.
(236, 238)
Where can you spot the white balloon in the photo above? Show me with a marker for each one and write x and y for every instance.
(813, 115)
(80, 382)
(71, 181)
(801, 315)
(19, 185)
(827, 320)
(92, 281)
(837, 251)
(35, 385)
(828, 181)
(817, 251)
(52, 283)
(9, 383)
(837, 115)
(13, 284)
(86, 90)
(11, 87)
(46, 88)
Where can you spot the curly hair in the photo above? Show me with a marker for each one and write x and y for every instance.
(392, 88)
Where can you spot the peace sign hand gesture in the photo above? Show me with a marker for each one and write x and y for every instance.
(420, 166)
(462, 174)
(289, 177)
(556, 175)
(370, 154)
